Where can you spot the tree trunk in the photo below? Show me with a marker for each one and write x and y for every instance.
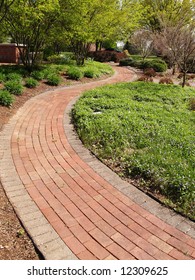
(97, 44)
(184, 79)
(174, 69)
(80, 50)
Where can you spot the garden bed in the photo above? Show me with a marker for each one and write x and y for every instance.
(145, 131)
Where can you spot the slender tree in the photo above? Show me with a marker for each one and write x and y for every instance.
(142, 40)
(29, 22)
(177, 42)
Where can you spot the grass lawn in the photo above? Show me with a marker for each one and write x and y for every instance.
(148, 131)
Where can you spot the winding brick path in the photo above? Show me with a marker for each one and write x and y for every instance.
(73, 206)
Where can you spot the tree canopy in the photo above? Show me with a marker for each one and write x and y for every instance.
(29, 22)
(171, 10)
(36, 23)
(89, 21)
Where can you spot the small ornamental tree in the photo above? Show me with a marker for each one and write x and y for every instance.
(29, 22)
(177, 42)
(142, 40)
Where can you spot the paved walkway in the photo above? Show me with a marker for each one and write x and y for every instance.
(72, 206)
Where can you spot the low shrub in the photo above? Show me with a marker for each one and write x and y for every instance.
(6, 98)
(50, 71)
(107, 55)
(2, 77)
(126, 62)
(37, 75)
(53, 79)
(91, 73)
(31, 83)
(75, 73)
(14, 87)
(131, 62)
(166, 80)
(150, 72)
(13, 77)
(145, 79)
(157, 65)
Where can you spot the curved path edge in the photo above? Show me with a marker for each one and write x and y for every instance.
(150, 204)
(43, 234)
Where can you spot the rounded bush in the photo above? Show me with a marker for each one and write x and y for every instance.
(37, 75)
(14, 87)
(166, 80)
(2, 77)
(91, 73)
(31, 83)
(6, 98)
(53, 79)
(74, 73)
(13, 77)
(157, 65)
(126, 62)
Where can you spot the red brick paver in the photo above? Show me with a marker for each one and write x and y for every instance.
(88, 212)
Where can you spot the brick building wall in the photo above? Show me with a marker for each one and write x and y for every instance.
(9, 53)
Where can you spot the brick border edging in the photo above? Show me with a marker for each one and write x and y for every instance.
(154, 207)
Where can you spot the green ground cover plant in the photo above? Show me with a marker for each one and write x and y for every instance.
(53, 79)
(148, 130)
(6, 98)
(15, 87)
(31, 83)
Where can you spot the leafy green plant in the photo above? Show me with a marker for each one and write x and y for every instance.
(31, 83)
(14, 87)
(6, 98)
(147, 130)
(37, 75)
(49, 71)
(90, 72)
(13, 77)
(127, 61)
(2, 77)
(157, 64)
(75, 73)
(53, 79)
